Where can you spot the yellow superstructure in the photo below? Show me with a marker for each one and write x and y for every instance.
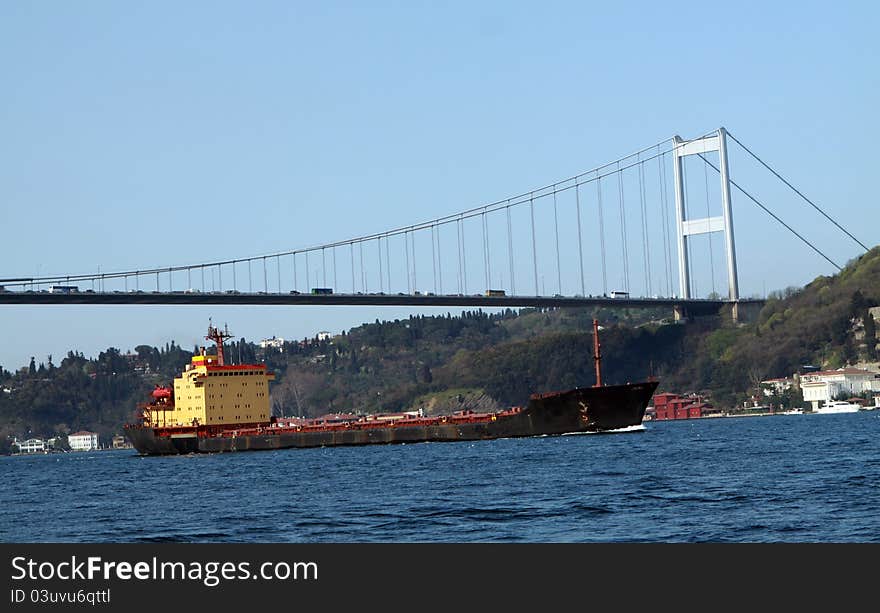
(207, 394)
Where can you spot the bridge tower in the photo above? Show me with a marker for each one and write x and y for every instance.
(690, 227)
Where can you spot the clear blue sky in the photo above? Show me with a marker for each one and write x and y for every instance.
(151, 134)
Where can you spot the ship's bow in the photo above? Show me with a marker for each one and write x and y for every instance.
(591, 409)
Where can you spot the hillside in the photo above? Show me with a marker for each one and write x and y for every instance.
(450, 363)
(826, 324)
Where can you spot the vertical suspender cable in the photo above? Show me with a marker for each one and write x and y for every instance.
(669, 218)
(510, 252)
(265, 277)
(308, 273)
(708, 215)
(488, 253)
(459, 234)
(687, 215)
(415, 282)
(277, 269)
(577, 196)
(234, 278)
(433, 259)
(295, 283)
(602, 238)
(406, 249)
(351, 250)
(363, 273)
(463, 258)
(323, 268)
(335, 285)
(646, 245)
(558, 266)
(388, 262)
(534, 250)
(439, 263)
(661, 182)
(381, 273)
(623, 240)
(485, 250)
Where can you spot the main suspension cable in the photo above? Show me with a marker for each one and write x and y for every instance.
(774, 216)
(798, 192)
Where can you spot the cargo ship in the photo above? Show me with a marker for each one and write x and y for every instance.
(214, 407)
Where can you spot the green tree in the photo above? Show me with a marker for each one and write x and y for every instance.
(871, 336)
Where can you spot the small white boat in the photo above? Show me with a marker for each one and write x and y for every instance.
(793, 412)
(838, 406)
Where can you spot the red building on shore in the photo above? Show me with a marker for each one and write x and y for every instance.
(674, 406)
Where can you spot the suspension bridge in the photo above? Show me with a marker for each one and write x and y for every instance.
(619, 234)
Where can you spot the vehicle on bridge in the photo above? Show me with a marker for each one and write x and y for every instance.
(64, 289)
(495, 292)
(322, 290)
(620, 294)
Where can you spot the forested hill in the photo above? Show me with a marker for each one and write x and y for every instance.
(476, 359)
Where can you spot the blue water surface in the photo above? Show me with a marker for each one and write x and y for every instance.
(809, 478)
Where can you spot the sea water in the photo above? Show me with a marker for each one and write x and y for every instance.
(809, 478)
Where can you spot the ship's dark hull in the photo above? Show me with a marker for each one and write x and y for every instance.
(591, 409)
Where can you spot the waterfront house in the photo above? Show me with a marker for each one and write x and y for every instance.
(674, 406)
(83, 441)
(823, 386)
(777, 386)
(31, 445)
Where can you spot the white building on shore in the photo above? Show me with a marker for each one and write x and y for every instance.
(777, 386)
(823, 386)
(272, 343)
(32, 445)
(83, 441)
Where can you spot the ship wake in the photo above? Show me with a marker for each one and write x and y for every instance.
(636, 428)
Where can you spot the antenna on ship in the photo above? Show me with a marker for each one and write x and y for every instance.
(218, 336)
(597, 353)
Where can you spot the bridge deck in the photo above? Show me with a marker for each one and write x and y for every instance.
(424, 300)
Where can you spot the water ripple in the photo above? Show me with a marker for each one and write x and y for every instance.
(796, 479)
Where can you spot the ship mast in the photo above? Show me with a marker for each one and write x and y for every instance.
(597, 353)
(218, 336)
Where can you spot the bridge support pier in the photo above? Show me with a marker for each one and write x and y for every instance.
(679, 313)
(741, 311)
(746, 312)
